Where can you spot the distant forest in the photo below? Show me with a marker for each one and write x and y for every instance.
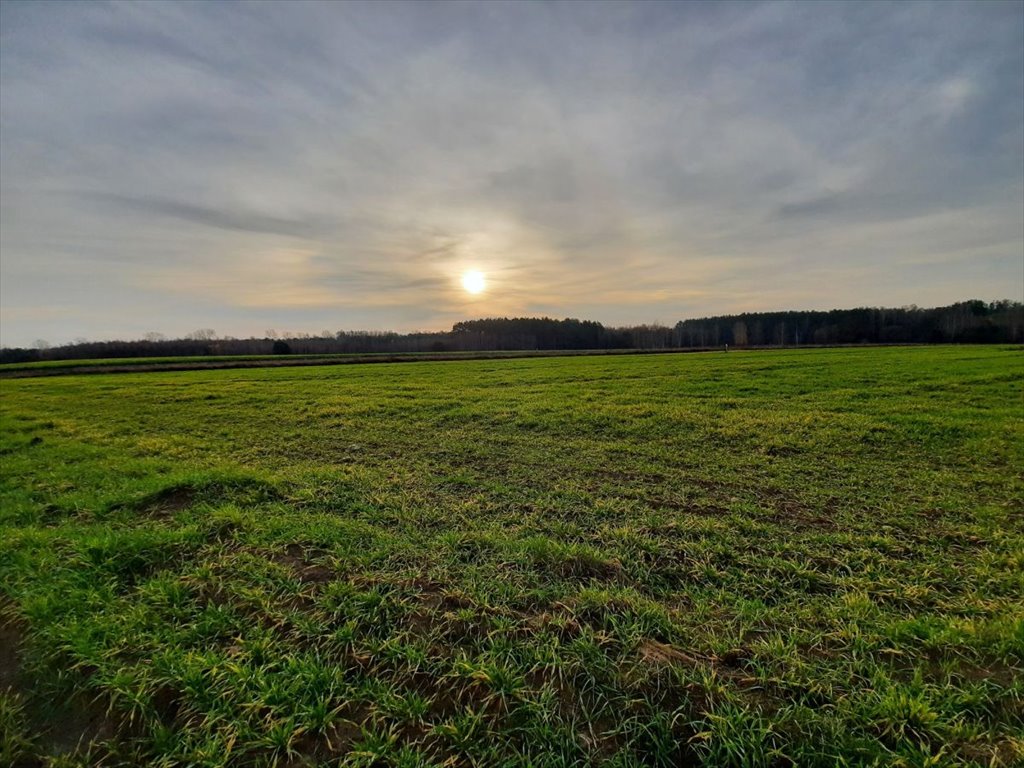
(968, 322)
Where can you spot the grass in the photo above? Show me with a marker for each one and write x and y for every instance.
(810, 558)
(196, 362)
(42, 366)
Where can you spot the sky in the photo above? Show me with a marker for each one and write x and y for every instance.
(327, 166)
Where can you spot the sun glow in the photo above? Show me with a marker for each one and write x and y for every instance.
(474, 282)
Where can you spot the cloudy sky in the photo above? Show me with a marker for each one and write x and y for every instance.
(167, 167)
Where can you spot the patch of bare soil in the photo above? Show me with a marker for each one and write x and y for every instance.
(687, 507)
(653, 652)
(787, 510)
(577, 567)
(296, 558)
(10, 642)
(169, 502)
(55, 728)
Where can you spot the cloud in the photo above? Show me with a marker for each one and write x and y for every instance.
(210, 216)
(340, 165)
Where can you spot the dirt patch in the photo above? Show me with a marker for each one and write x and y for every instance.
(783, 450)
(561, 624)
(349, 728)
(736, 657)
(653, 652)
(1002, 754)
(297, 558)
(168, 502)
(618, 476)
(435, 614)
(995, 671)
(70, 725)
(430, 594)
(585, 567)
(728, 664)
(448, 699)
(75, 726)
(332, 742)
(786, 510)
(939, 667)
(10, 645)
(167, 703)
(687, 507)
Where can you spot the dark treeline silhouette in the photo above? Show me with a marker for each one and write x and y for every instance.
(537, 333)
(969, 322)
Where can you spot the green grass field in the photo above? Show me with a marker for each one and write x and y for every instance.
(809, 558)
(123, 362)
(181, 360)
(149, 364)
(143, 361)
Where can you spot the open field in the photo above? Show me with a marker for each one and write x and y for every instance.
(802, 558)
(125, 362)
(196, 362)
(205, 362)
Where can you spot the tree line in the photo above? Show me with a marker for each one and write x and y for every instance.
(967, 322)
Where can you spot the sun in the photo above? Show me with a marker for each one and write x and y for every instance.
(474, 282)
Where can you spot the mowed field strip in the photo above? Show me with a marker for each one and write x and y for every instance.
(770, 558)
